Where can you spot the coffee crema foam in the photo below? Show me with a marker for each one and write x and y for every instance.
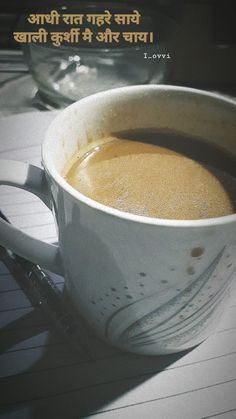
(147, 179)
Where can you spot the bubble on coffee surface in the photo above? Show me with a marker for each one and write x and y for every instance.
(149, 180)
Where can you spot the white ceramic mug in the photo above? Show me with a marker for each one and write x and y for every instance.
(147, 285)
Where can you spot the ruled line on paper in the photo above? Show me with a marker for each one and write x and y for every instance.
(22, 196)
(219, 414)
(43, 345)
(26, 205)
(162, 398)
(91, 337)
(63, 366)
(148, 367)
(180, 407)
(122, 407)
(30, 201)
(41, 231)
(15, 308)
(35, 214)
(173, 395)
(225, 330)
(27, 227)
(109, 358)
(36, 210)
(7, 190)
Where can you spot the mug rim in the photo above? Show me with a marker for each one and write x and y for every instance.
(49, 166)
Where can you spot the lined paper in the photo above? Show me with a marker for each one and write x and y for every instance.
(42, 377)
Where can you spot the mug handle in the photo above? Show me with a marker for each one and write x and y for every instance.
(32, 179)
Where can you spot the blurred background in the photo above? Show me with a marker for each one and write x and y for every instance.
(199, 35)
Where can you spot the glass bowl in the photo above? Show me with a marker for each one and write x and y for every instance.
(64, 74)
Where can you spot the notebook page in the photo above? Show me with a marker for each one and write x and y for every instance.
(42, 378)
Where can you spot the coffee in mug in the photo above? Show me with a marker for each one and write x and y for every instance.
(156, 174)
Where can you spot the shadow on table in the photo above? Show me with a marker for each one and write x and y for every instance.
(45, 378)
